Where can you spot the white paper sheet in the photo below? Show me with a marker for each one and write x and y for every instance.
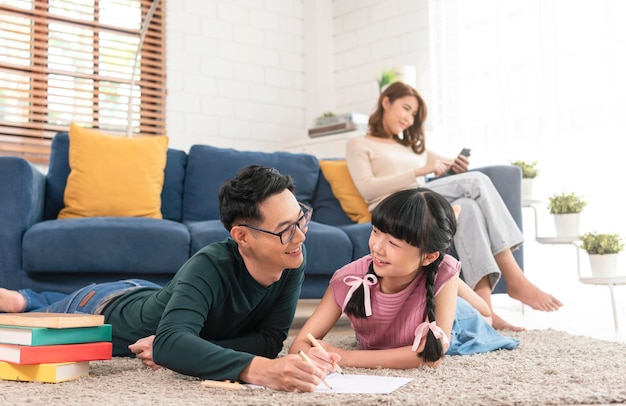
(362, 383)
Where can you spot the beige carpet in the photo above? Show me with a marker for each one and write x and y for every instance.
(548, 368)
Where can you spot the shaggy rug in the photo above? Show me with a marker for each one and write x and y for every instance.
(548, 368)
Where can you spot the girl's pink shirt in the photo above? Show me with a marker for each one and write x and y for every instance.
(394, 316)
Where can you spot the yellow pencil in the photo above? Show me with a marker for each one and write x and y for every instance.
(318, 345)
(307, 359)
(224, 385)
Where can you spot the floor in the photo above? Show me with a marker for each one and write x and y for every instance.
(587, 308)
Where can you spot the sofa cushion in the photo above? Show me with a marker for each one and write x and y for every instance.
(326, 207)
(173, 185)
(359, 235)
(106, 245)
(204, 233)
(114, 176)
(59, 170)
(328, 249)
(344, 189)
(56, 178)
(208, 167)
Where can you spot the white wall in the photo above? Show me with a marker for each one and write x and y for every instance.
(374, 35)
(235, 74)
(252, 74)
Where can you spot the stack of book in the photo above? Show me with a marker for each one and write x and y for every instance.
(51, 347)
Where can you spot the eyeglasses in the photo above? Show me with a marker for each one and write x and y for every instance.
(287, 234)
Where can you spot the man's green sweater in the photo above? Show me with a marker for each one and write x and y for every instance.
(212, 318)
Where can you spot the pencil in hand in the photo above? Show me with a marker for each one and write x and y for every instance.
(307, 359)
(318, 345)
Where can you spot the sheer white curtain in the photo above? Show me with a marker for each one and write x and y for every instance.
(540, 80)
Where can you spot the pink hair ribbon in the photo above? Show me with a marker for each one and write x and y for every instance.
(354, 282)
(422, 330)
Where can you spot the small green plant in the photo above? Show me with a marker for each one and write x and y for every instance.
(387, 77)
(325, 118)
(601, 244)
(529, 168)
(566, 203)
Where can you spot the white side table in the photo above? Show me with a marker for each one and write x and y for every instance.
(589, 280)
(610, 281)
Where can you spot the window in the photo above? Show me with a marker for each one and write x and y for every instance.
(65, 61)
(536, 80)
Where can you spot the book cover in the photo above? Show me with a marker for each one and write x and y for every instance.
(37, 336)
(48, 373)
(51, 320)
(46, 354)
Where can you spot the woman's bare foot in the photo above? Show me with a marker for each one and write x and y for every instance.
(529, 294)
(11, 301)
(500, 324)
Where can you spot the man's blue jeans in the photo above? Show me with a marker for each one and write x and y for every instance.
(91, 299)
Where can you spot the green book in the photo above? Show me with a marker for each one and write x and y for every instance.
(36, 336)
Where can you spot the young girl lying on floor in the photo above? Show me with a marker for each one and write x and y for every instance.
(401, 299)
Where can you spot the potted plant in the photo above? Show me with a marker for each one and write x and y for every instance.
(326, 118)
(602, 249)
(387, 77)
(529, 173)
(566, 209)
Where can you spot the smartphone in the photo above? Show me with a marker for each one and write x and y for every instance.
(464, 152)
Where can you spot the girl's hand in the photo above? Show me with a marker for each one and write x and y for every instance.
(324, 359)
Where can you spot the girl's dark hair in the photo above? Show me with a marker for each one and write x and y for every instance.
(239, 198)
(424, 219)
(414, 135)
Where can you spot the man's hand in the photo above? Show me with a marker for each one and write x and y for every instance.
(143, 350)
(289, 373)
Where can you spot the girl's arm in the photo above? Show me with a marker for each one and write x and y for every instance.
(476, 301)
(404, 357)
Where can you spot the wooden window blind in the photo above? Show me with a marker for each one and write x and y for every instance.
(64, 61)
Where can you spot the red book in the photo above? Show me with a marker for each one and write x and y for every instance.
(46, 354)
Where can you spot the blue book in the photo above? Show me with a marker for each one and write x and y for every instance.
(35, 336)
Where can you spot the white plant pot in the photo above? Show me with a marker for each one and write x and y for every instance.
(567, 225)
(603, 266)
(527, 188)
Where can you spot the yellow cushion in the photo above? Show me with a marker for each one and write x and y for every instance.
(114, 176)
(351, 201)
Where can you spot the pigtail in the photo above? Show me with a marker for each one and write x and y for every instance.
(356, 304)
(433, 349)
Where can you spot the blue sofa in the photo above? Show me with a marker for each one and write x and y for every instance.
(40, 252)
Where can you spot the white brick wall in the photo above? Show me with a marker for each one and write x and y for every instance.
(374, 35)
(237, 71)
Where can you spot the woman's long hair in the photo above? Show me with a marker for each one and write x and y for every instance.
(414, 135)
(424, 219)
